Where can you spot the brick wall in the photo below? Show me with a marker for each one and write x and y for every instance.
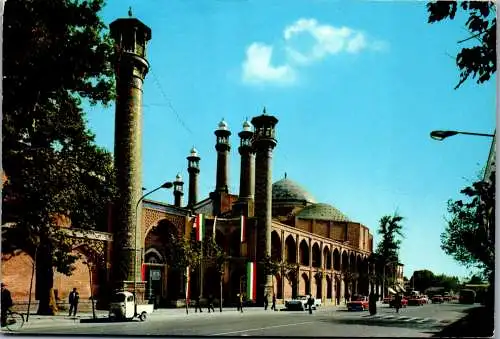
(338, 231)
(321, 228)
(353, 232)
(17, 270)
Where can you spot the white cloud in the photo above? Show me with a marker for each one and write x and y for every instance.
(257, 67)
(306, 41)
(328, 40)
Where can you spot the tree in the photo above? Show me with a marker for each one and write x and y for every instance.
(422, 280)
(272, 267)
(479, 60)
(390, 229)
(184, 254)
(291, 273)
(56, 55)
(469, 234)
(475, 280)
(217, 255)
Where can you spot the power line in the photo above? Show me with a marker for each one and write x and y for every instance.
(169, 103)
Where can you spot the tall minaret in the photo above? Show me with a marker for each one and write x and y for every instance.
(264, 142)
(247, 170)
(178, 190)
(222, 146)
(193, 170)
(130, 36)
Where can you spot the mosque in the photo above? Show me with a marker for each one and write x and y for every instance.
(281, 219)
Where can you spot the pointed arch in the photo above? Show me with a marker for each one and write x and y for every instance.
(316, 255)
(290, 249)
(327, 258)
(275, 246)
(304, 253)
(336, 260)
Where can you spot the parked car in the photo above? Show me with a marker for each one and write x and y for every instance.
(416, 301)
(300, 303)
(387, 300)
(425, 298)
(446, 297)
(437, 299)
(404, 302)
(358, 303)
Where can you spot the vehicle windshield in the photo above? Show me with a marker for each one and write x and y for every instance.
(118, 298)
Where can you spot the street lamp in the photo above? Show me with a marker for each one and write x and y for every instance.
(441, 135)
(89, 265)
(167, 185)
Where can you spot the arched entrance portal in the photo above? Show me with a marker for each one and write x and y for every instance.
(305, 287)
(328, 287)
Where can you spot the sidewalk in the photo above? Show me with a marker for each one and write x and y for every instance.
(62, 319)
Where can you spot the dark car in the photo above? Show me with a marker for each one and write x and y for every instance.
(437, 299)
(467, 296)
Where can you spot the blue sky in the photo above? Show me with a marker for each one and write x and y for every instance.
(357, 87)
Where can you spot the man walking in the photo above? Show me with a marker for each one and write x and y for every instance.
(6, 303)
(210, 304)
(273, 306)
(197, 305)
(266, 302)
(310, 302)
(241, 302)
(74, 297)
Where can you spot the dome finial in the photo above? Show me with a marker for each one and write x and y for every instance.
(130, 11)
(285, 175)
(264, 110)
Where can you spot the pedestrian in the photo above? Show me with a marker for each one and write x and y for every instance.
(273, 306)
(310, 302)
(197, 304)
(241, 302)
(210, 303)
(74, 297)
(266, 302)
(6, 303)
(397, 302)
(372, 303)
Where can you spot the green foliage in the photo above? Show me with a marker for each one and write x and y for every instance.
(422, 280)
(480, 59)
(475, 279)
(56, 54)
(271, 267)
(469, 236)
(215, 253)
(390, 229)
(183, 252)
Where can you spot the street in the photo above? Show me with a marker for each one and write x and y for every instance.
(415, 321)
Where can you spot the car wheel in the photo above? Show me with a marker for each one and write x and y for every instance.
(143, 316)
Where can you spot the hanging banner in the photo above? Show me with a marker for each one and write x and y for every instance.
(188, 290)
(200, 227)
(215, 223)
(243, 226)
(251, 281)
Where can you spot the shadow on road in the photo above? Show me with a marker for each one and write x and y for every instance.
(381, 322)
(102, 320)
(479, 322)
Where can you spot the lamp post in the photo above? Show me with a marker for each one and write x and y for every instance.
(167, 185)
(89, 265)
(441, 135)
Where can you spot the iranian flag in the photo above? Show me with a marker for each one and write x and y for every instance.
(188, 290)
(243, 226)
(251, 281)
(200, 227)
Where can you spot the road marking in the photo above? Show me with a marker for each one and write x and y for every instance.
(403, 317)
(411, 319)
(388, 316)
(262, 328)
(423, 320)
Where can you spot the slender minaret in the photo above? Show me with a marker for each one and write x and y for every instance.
(193, 170)
(178, 190)
(264, 143)
(130, 36)
(223, 147)
(247, 170)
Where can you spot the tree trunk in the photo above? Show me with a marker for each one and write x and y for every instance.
(44, 280)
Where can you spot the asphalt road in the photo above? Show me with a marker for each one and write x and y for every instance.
(414, 321)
